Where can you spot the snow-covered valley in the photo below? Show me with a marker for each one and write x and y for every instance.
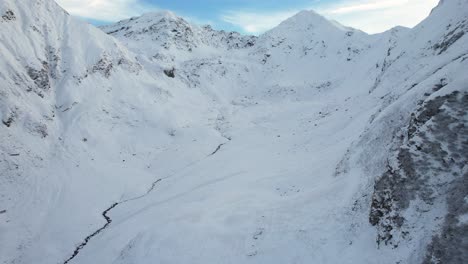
(154, 140)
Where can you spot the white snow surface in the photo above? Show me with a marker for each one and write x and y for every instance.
(262, 150)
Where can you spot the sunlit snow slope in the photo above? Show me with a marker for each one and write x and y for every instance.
(167, 142)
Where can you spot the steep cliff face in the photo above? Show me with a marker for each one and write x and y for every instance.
(313, 142)
(425, 188)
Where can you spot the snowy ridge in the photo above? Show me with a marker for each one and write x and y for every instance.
(161, 34)
(163, 141)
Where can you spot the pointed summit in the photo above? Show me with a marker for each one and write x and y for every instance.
(308, 17)
(308, 23)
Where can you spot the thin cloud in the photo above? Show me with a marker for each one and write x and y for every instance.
(196, 20)
(255, 23)
(371, 16)
(374, 16)
(367, 6)
(105, 10)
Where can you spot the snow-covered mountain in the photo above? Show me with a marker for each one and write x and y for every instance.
(165, 37)
(166, 142)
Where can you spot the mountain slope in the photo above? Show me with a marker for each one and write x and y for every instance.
(80, 121)
(312, 70)
(164, 37)
(172, 143)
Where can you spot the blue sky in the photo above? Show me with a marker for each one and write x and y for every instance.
(257, 16)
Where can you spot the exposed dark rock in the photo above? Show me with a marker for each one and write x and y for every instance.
(41, 130)
(117, 30)
(430, 168)
(265, 58)
(9, 16)
(451, 246)
(54, 59)
(442, 84)
(172, 132)
(40, 77)
(10, 119)
(451, 37)
(175, 32)
(170, 72)
(429, 110)
(324, 85)
(103, 66)
(107, 64)
(446, 43)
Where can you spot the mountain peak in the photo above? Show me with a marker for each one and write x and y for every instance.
(309, 21)
(150, 24)
(307, 14)
(306, 17)
(158, 15)
(454, 6)
(148, 20)
(307, 25)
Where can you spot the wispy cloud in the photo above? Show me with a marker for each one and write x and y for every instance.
(375, 16)
(196, 20)
(255, 23)
(367, 6)
(371, 16)
(105, 10)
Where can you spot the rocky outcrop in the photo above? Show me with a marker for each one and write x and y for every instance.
(455, 33)
(40, 78)
(430, 174)
(9, 16)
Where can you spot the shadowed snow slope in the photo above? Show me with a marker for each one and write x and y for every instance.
(167, 142)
